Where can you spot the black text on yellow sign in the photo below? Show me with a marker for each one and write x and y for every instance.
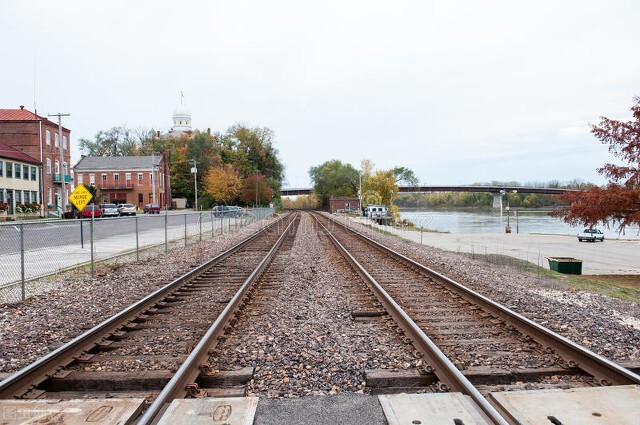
(80, 197)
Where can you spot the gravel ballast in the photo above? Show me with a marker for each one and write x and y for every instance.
(607, 326)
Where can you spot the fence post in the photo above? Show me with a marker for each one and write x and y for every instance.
(22, 260)
(185, 230)
(81, 236)
(137, 241)
(91, 238)
(211, 224)
(222, 223)
(166, 237)
(200, 221)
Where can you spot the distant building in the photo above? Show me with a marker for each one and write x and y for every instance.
(181, 123)
(126, 179)
(343, 203)
(19, 178)
(39, 138)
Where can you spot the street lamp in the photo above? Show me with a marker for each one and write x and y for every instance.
(506, 192)
(194, 171)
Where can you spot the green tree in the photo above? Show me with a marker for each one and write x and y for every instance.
(333, 178)
(117, 141)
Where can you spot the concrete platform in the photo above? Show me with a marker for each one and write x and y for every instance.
(228, 411)
(432, 409)
(70, 412)
(618, 405)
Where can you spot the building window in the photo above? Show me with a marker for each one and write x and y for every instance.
(34, 196)
(27, 197)
(18, 196)
(57, 140)
(140, 198)
(25, 172)
(9, 170)
(151, 177)
(17, 170)
(64, 142)
(48, 165)
(140, 179)
(92, 179)
(104, 178)
(127, 177)
(1, 170)
(80, 179)
(34, 173)
(116, 177)
(1, 195)
(57, 167)
(49, 140)
(49, 197)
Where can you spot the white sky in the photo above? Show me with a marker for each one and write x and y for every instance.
(459, 91)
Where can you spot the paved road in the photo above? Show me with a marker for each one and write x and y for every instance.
(613, 256)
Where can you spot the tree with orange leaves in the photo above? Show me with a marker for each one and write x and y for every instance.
(618, 203)
(223, 183)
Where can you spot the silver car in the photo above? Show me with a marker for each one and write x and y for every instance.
(109, 210)
(127, 209)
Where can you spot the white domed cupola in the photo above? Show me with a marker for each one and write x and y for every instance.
(181, 117)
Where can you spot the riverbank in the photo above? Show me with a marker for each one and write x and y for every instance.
(611, 257)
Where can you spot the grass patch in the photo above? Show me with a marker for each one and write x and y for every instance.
(624, 287)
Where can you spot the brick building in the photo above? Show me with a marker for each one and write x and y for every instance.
(39, 138)
(343, 203)
(19, 178)
(126, 179)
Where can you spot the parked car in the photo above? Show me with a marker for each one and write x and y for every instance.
(109, 210)
(227, 211)
(151, 209)
(91, 211)
(127, 209)
(592, 235)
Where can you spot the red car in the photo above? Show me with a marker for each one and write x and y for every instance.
(91, 210)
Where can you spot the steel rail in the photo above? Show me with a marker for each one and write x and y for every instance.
(603, 369)
(189, 371)
(37, 372)
(444, 369)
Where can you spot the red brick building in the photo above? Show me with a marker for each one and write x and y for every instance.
(39, 138)
(343, 203)
(126, 179)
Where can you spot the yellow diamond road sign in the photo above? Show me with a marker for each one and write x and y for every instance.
(80, 197)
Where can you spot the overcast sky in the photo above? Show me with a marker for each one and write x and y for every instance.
(459, 91)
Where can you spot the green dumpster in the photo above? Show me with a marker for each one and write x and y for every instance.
(566, 265)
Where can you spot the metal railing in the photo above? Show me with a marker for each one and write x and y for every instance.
(31, 252)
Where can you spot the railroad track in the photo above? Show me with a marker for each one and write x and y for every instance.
(151, 349)
(174, 343)
(472, 344)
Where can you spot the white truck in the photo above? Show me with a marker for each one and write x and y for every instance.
(592, 235)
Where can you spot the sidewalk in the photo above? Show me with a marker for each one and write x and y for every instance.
(613, 256)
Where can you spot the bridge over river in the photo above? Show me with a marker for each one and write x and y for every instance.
(496, 191)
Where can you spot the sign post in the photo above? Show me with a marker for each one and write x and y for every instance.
(80, 197)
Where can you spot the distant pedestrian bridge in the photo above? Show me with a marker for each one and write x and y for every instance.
(496, 191)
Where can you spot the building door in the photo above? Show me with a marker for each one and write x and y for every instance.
(9, 201)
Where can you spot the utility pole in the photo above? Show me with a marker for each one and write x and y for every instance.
(153, 176)
(63, 177)
(194, 171)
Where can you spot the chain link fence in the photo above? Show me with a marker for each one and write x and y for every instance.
(32, 251)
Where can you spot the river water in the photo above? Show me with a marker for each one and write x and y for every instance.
(487, 221)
